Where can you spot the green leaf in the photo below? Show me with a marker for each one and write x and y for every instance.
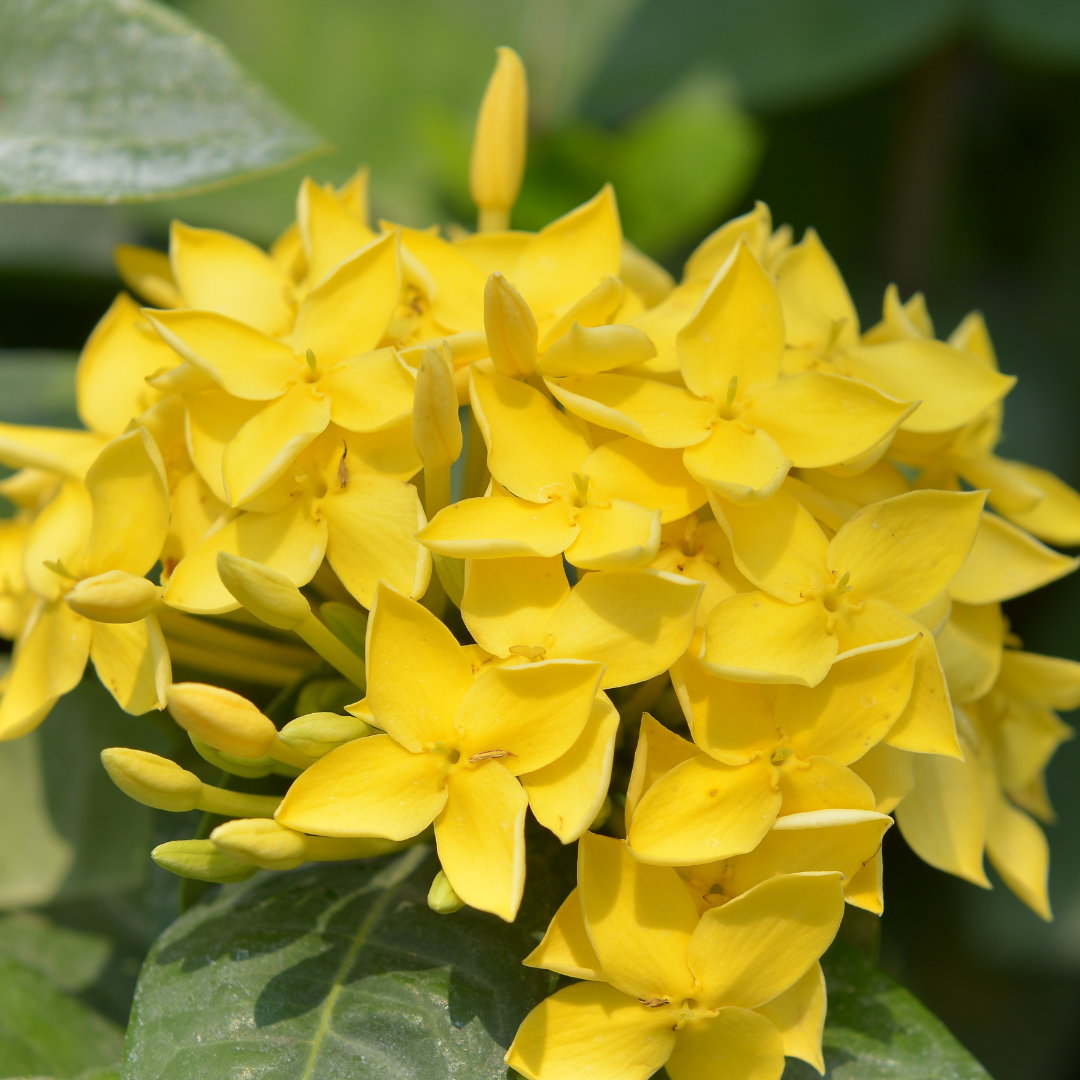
(72, 959)
(343, 971)
(876, 1030)
(123, 100)
(45, 1032)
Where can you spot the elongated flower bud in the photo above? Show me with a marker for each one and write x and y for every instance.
(152, 780)
(441, 896)
(250, 768)
(436, 428)
(113, 597)
(260, 842)
(498, 153)
(316, 734)
(200, 859)
(227, 721)
(267, 594)
(510, 327)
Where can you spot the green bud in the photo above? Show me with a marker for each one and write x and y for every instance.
(267, 594)
(347, 623)
(201, 860)
(317, 733)
(252, 768)
(441, 896)
(260, 842)
(326, 695)
(152, 780)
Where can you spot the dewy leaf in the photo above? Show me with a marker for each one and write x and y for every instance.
(876, 1030)
(44, 1032)
(123, 100)
(343, 971)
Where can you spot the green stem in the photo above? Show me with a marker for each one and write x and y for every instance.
(333, 651)
(236, 804)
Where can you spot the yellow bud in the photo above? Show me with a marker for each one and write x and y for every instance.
(268, 595)
(251, 768)
(201, 860)
(224, 720)
(316, 734)
(498, 153)
(152, 780)
(436, 428)
(260, 842)
(511, 329)
(441, 896)
(113, 597)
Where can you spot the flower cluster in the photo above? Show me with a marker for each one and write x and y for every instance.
(722, 486)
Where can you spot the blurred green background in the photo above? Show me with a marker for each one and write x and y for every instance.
(933, 144)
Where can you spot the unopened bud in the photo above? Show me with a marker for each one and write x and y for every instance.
(348, 624)
(224, 720)
(498, 152)
(267, 594)
(510, 327)
(113, 597)
(316, 734)
(249, 768)
(260, 842)
(436, 429)
(325, 695)
(441, 896)
(152, 780)
(586, 350)
(201, 860)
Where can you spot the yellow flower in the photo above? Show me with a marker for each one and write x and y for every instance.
(760, 752)
(101, 538)
(736, 988)
(743, 424)
(460, 751)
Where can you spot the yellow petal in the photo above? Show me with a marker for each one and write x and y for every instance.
(389, 453)
(148, 274)
(585, 350)
(215, 271)
(819, 783)
(866, 889)
(816, 304)
(367, 787)
(417, 673)
(1006, 562)
(57, 535)
(740, 463)
(1017, 848)
(530, 443)
(753, 637)
(890, 774)
(907, 549)
(329, 232)
(1056, 517)
(640, 920)
(126, 665)
(757, 945)
(480, 835)
(526, 716)
(1010, 491)
(56, 450)
(663, 322)
(593, 1030)
(821, 419)
(110, 381)
(969, 647)
(733, 1043)
(291, 541)
(658, 751)
(566, 795)
(240, 359)
(566, 947)
(509, 602)
(501, 527)
(777, 545)
(853, 707)
(347, 314)
(614, 535)
(371, 392)
(704, 810)
(713, 567)
(944, 818)
(372, 525)
(636, 622)
(213, 419)
(799, 1015)
(1046, 679)
(652, 411)
(569, 257)
(646, 475)
(130, 499)
(713, 251)
(952, 387)
(458, 303)
(604, 303)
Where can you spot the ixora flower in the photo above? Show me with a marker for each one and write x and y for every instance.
(728, 992)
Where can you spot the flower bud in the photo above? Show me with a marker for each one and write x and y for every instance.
(325, 695)
(267, 594)
(224, 720)
(436, 429)
(152, 780)
(201, 860)
(250, 768)
(113, 597)
(260, 842)
(510, 327)
(498, 152)
(316, 734)
(441, 896)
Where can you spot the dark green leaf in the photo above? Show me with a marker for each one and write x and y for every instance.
(116, 100)
(342, 971)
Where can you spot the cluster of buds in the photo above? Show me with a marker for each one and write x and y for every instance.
(722, 486)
